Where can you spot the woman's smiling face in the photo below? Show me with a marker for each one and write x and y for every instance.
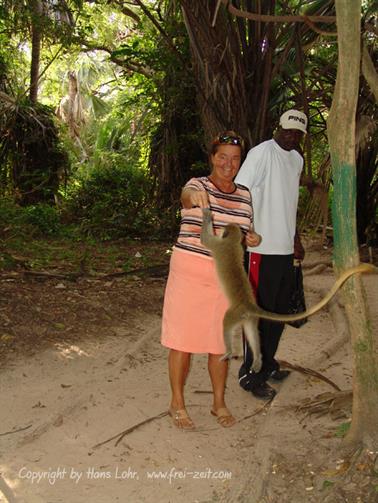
(225, 163)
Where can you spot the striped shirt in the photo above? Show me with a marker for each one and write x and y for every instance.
(226, 208)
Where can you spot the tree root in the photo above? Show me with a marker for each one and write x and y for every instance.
(123, 433)
(315, 270)
(16, 430)
(308, 371)
(312, 265)
(261, 409)
(337, 404)
(353, 478)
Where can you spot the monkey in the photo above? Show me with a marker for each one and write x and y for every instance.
(228, 254)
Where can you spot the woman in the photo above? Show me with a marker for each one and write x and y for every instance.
(194, 304)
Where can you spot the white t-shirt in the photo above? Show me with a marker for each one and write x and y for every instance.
(272, 175)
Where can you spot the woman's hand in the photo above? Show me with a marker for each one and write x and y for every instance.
(192, 197)
(252, 238)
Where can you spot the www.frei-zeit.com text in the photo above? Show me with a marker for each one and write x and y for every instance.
(68, 473)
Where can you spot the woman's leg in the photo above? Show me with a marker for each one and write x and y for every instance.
(218, 370)
(179, 364)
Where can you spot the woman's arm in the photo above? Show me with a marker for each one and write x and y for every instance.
(192, 197)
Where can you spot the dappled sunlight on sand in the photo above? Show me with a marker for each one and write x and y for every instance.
(70, 351)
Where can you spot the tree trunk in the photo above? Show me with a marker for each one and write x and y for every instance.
(36, 49)
(232, 62)
(341, 134)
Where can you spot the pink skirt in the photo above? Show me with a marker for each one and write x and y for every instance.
(194, 305)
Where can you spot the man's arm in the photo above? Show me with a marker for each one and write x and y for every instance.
(299, 251)
(252, 171)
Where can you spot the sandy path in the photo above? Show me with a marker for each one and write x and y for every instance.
(72, 397)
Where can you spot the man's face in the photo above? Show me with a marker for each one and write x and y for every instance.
(289, 139)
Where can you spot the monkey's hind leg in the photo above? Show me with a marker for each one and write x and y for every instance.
(229, 326)
(251, 332)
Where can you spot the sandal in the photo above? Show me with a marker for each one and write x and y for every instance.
(224, 417)
(181, 419)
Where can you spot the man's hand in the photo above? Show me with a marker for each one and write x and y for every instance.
(299, 251)
(193, 197)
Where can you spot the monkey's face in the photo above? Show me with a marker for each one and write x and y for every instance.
(233, 233)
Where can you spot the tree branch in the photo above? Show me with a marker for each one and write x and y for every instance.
(121, 435)
(126, 11)
(166, 37)
(313, 27)
(133, 67)
(368, 71)
(277, 19)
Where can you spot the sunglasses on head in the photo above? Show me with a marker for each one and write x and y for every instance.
(226, 139)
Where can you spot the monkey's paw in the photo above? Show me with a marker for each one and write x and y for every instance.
(226, 356)
(257, 363)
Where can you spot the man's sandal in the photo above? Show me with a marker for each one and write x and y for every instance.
(224, 417)
(181, 419)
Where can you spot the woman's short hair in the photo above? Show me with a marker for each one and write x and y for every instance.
(226, 138)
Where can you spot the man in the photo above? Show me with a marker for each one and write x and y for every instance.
(272, 172)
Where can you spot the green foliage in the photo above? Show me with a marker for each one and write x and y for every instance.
(142, 50)
(39, 220)
(343, 429)
(55, 19)
(361, 346)
(31, 156)
(44, 218)
(27, 241)
(327, 484)
(113, 201)
(8, 215)
(139, 96)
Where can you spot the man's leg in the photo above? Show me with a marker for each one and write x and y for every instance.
(274, 291)
(249, 380)
(271, 277)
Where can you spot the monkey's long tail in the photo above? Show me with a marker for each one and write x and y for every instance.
(362, 268)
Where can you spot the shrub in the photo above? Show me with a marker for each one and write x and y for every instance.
(44, 218)
(36, 220)
(113, 201)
